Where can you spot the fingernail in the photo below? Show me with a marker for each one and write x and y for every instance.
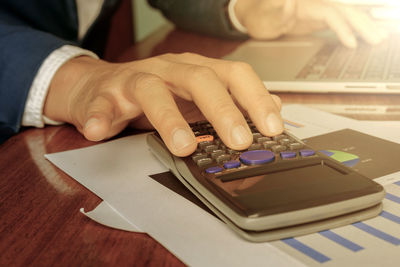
(274, 124)
(91, 122)
(182, 138)
(240, 135)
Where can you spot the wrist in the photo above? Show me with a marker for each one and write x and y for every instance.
(63, 85)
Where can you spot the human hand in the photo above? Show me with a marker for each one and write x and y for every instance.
(268, 19)
(102, 98)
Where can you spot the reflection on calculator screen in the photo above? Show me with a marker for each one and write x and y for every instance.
(289, 188)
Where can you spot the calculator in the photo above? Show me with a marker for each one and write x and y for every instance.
(277, 188)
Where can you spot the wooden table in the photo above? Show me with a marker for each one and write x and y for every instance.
(40, 222)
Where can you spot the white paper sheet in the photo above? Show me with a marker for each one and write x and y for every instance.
(117, 172)
(108, 216)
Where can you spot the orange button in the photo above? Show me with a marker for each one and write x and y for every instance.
(203, 138)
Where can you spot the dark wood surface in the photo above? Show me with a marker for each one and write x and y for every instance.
(40, 222)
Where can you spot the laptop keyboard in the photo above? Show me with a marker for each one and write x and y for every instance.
(336, 62)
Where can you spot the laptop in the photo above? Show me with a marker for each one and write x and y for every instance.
(320, 63)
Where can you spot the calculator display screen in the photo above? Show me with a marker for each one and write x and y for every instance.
(292, 189)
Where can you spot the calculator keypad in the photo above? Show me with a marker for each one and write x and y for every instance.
(214, 158)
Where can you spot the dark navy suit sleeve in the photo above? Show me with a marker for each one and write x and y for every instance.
(29, 32)
(203, 16)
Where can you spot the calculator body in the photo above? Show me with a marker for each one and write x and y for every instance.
(277, 188)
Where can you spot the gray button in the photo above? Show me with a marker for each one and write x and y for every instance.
(269, 144)
(198, 156)
(256, 136)
(278, 148)
(233, 152)
(284, 141)
(210, 148)
(202, 145)
(217, 141)
(263, 139)
(204, 162)
(223, 158)
(279, 137)
(296, 145)
(255, 147)
(217, 153)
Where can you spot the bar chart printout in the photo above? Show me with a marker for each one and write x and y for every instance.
(374, 242)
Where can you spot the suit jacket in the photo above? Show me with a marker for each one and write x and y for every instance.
(31, 30)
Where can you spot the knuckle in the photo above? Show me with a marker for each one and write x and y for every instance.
(146, 80)
(239, 68)
(263, 101)
(223, 107)
(198, 73)
(164, 115)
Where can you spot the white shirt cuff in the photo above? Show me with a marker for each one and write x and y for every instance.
(33, 113)
(232, 16)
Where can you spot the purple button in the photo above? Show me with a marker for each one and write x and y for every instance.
(307, 152)
(256, 157)
(232, 164)
(288, 154)
(214, 169)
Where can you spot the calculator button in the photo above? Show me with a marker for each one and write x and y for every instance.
(218, 141)
(196, 128)
(223, 158)
(216, 153)
(269, 144)
(198, 156)
(279, 137)
(255, 147)
(263, 139)
(294, 146)
(232, 164)
(214, 169)
(204, 138)
(222, 146)
(204, 162)
(233, 152)
(212, 131)
(256, 157)
(202, 145)
(256, 136)
(307, 152)
(278, 148)
(210, 148)
(288, 154)
(284, 141)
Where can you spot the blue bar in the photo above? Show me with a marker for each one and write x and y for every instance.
(341, 240)
(390, 216)
(377, 233)
(393, 198)
(310, 252)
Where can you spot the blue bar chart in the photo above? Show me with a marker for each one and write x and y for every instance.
(366, 242)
